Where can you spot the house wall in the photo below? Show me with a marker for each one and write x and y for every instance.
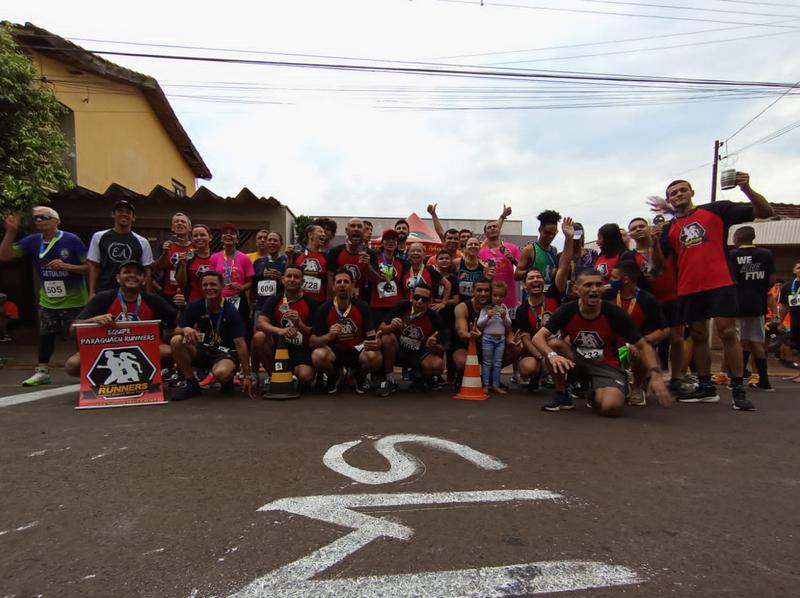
(118, 137)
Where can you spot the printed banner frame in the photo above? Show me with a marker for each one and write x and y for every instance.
(120, 364)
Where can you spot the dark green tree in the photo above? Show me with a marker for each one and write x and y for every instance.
(32, 147)
(300, 224)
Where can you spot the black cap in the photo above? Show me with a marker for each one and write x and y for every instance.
(130, 263)
(124, 203)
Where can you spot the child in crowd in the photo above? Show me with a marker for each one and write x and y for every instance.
(8, 311)
(494, 322)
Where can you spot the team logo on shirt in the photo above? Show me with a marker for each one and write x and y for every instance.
(354, 271)
(119, 252)
(692, 234)
(411, 339)
(124, 372)
(349, 329)
(311, 264)
(589, 344)
(202, 270)
(602, 268)
(64, 253)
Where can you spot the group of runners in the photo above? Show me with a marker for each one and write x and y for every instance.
(603, 325)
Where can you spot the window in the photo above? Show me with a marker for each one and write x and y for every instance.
(178, 188)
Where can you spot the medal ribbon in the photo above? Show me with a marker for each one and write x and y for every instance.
(632, 304)
(124, 305)
(44, 249)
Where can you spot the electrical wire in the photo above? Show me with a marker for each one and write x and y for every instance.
(770, 105)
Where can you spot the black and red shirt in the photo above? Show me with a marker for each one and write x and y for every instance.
(169, 286)
(417, 329)
(195, 268)
(356, 321)
(313, 265)
(642, 307)
(340, 257)
(595, 339)
(529, 318)
(275, 307)
(698, 241)
(148, 307)
(665, 285)
(605, 263)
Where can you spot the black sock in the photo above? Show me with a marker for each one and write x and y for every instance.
(704, 379)
(745, 360)
(763, 376)
(47, 344)
(736, 381)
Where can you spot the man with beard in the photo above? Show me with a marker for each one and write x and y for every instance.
(451, 244)
(410, 339)
(402, 228)
(450, 237)
(172, 252)
(706, 288)
(466, 316)
(114, 246)
(353, 255)
(288, 314)
(595, 329)
(343, 336)
(312, 262)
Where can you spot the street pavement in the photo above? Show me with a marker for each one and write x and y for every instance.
(417, 494)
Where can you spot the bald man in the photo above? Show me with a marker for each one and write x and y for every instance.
(353, 255)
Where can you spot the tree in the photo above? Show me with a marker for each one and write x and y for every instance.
(32, 147)
(300, 224)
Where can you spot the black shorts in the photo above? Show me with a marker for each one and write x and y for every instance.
(459, 343)
(672, 313)
(410, 359)
(599, 375)
(379, 315)
(715, 303)
(207, 356)
(56, 321)
(346, 358)
(299, 356)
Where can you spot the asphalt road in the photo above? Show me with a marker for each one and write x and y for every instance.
(163, 501)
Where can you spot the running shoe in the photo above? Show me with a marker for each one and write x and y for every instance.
(740, 400)
(637, 397)
(703, 393)
(762, 388)
(190, 388)
(209, 382)
(332, 385)
(40, 376)
(5, 339)
(384, 389)
(561, 402)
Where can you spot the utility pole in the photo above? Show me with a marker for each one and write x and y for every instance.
(714, 171)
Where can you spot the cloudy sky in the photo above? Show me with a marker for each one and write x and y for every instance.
(368, 143)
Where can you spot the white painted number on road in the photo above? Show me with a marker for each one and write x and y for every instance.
(402, 465)
(296, 579)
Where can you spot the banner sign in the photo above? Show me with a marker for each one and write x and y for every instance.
(120, 364)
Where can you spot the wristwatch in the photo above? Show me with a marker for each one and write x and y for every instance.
(552, 354)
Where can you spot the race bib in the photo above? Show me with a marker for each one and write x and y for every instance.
(794, 300)
(465, 288)
(387, 289)
(312, 284)
(267, 288)
(172, 276)
(410, 344)
(234, 300)
(56, 288)
(441, 290)
(591, 354)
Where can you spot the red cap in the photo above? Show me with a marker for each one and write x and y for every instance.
(228, 226)
(388, 232)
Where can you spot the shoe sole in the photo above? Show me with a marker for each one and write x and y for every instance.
(559, 408)
(26, 385)
(700, 400)
(760, 389)
(747, 408)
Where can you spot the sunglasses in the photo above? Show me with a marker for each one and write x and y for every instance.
(422, 298)
(41, 218)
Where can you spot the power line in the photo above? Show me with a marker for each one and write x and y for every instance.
(601, 12)
(688, 8)
(771, 104)
(766, 138)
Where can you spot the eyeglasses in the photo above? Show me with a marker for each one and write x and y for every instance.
(422, 298)
(41, 218)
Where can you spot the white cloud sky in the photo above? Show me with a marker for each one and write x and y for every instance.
(323, 150)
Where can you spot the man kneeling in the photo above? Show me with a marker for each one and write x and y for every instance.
(410, 339)
(343, 336)
(211, 335)
(287, 315)
(595, 329)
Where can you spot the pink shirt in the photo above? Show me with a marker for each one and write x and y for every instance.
(504, 268)
(238, 269)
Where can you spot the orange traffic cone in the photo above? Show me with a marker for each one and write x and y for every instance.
(281, 382)
(471, 386)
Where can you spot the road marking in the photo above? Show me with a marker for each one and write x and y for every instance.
(295, 579)
(37, 395)
(402, 465)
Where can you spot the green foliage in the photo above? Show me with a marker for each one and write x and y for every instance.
(300, 224)
(32, 147)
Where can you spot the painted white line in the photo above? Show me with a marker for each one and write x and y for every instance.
(37, 453)
(401, 464)
(37, 395)
(485, 582)
(27, 526)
